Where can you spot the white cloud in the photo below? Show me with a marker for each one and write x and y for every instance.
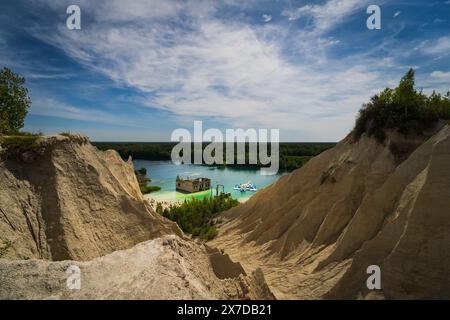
(136, 10)
(267, 17)
(229, 70)
(327, 15)
(440, 46)
(438, 81)
(440, 76)
(38, 76)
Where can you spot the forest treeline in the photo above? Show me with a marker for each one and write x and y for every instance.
(293, 155)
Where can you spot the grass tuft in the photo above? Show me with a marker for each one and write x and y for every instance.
(19, 142)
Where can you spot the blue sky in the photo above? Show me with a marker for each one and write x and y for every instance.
(139, 69)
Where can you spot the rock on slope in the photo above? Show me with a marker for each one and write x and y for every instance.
(164, 268)
(64, 199)
(315, 231)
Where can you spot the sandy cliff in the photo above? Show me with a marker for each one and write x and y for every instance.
(64, 203)
(315, 231)
(64, 199)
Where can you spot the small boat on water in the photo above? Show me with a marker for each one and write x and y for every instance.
(243, 187)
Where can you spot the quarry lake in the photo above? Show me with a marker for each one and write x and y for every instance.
(164, 173)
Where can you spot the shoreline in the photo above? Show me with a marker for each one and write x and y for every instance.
(166, 203)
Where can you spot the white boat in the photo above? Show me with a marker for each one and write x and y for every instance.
(245, 187)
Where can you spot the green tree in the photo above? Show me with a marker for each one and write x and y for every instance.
(403, 108)
(143, 171)
(14, 102)
(198, 217)
(406, 92)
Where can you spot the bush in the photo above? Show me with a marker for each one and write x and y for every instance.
(142, 171)
(210, 234)
(141, 176)
(68, 135)
(19, 143)
(197, 217)
(403, 109)
(148, 189)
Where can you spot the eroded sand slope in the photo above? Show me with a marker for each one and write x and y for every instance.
(315, 231)
(65, 203)
(164, 268)
(67, 200)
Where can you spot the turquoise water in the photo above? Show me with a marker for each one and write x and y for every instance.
(164, 173)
